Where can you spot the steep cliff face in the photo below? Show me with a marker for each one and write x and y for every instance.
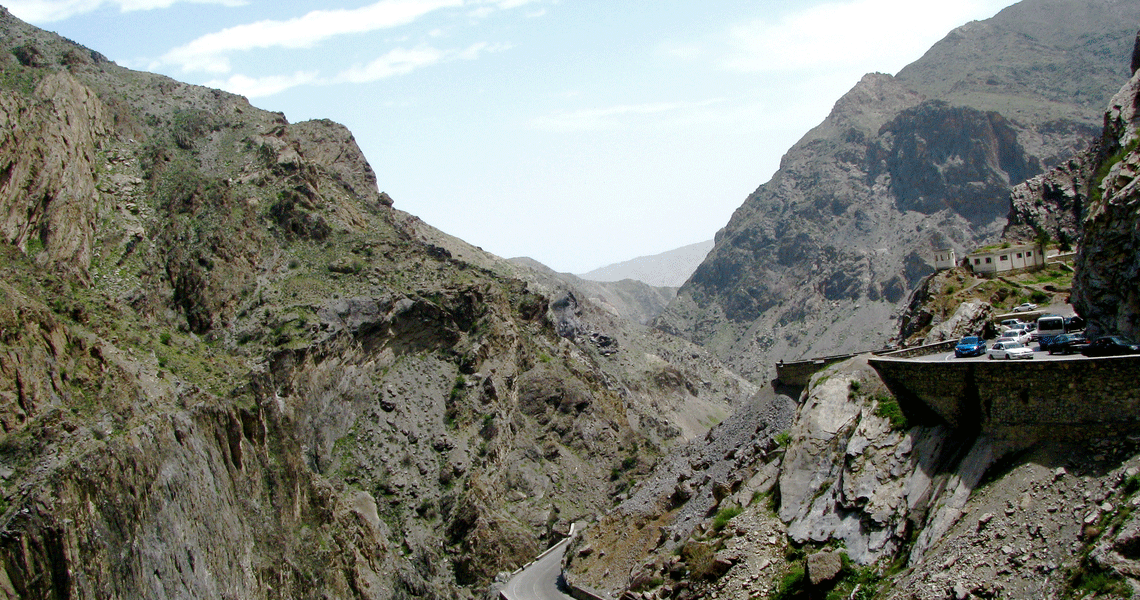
(229, 368)
(1106, 288)
(817, 259)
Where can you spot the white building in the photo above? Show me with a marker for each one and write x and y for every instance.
(991, 261)
(945, 259)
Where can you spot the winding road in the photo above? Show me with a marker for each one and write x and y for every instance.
(539, 581)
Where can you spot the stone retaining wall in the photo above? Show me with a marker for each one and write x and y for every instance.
(1021, 401)
(925, 350)
(798, 373)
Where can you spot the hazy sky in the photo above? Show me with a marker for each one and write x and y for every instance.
(576, 132)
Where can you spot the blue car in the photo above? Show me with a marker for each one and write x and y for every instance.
(970, 345)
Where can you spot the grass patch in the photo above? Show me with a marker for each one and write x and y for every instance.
(783, 439)
(856, 583)
(888, 408)
(1090, 580)
(700, 558)
(792, 584)
(724, 515)
(1095, 193)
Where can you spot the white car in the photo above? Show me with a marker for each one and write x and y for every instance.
(1009, 350)
(1020, 336)
(1025, 307)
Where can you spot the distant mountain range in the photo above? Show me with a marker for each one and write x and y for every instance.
(668, 269)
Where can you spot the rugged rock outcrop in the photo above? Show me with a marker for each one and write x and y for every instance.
(230, 368)
(915, 509)
(818, 258)
(1106, 289)
(1052, 203)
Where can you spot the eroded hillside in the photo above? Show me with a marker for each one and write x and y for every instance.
(229, 368)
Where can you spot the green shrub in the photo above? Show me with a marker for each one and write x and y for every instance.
(783, 438)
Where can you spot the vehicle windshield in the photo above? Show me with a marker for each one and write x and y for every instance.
(1122, 340)
(968, 341)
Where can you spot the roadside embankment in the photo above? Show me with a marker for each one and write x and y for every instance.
(1020, 402)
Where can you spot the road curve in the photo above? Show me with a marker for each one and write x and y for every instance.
(539, 581)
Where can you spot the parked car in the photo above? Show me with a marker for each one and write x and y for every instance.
(1009, 350)
(1019, 326)
(1016, 335)
(1111, 345)
(1025, 307)
(1067, 343)
(970, 345)
(1074, 323)
(1048, 328)
(1006, 324)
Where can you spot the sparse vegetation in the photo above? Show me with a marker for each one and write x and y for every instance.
(792, 583)
(1095, 192)
(724, 515)
(888, 408)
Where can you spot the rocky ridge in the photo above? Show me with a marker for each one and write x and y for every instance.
(230, 368)
(668, 269)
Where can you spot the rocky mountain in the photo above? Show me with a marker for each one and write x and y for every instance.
(230, 368)
(842, 493)
(1107, 282)
(629, 299)
(817, 259)
(668, 269)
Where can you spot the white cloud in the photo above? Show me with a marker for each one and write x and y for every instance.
(397, 62)
(880, 35)
(614, 117)
(48, 11)
(208, 53)
(402, 61)
(255, 87)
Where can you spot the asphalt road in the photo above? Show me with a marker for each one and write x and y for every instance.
(539, 581)
(1038, 354)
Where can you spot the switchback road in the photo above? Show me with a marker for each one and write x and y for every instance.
(539, 581)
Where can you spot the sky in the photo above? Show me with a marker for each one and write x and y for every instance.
(579, 133)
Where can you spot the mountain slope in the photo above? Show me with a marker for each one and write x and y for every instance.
(668, 269)
(820, 258)
(230, 368)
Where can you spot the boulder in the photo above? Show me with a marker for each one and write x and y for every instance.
(969, 319)
(824, 566)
